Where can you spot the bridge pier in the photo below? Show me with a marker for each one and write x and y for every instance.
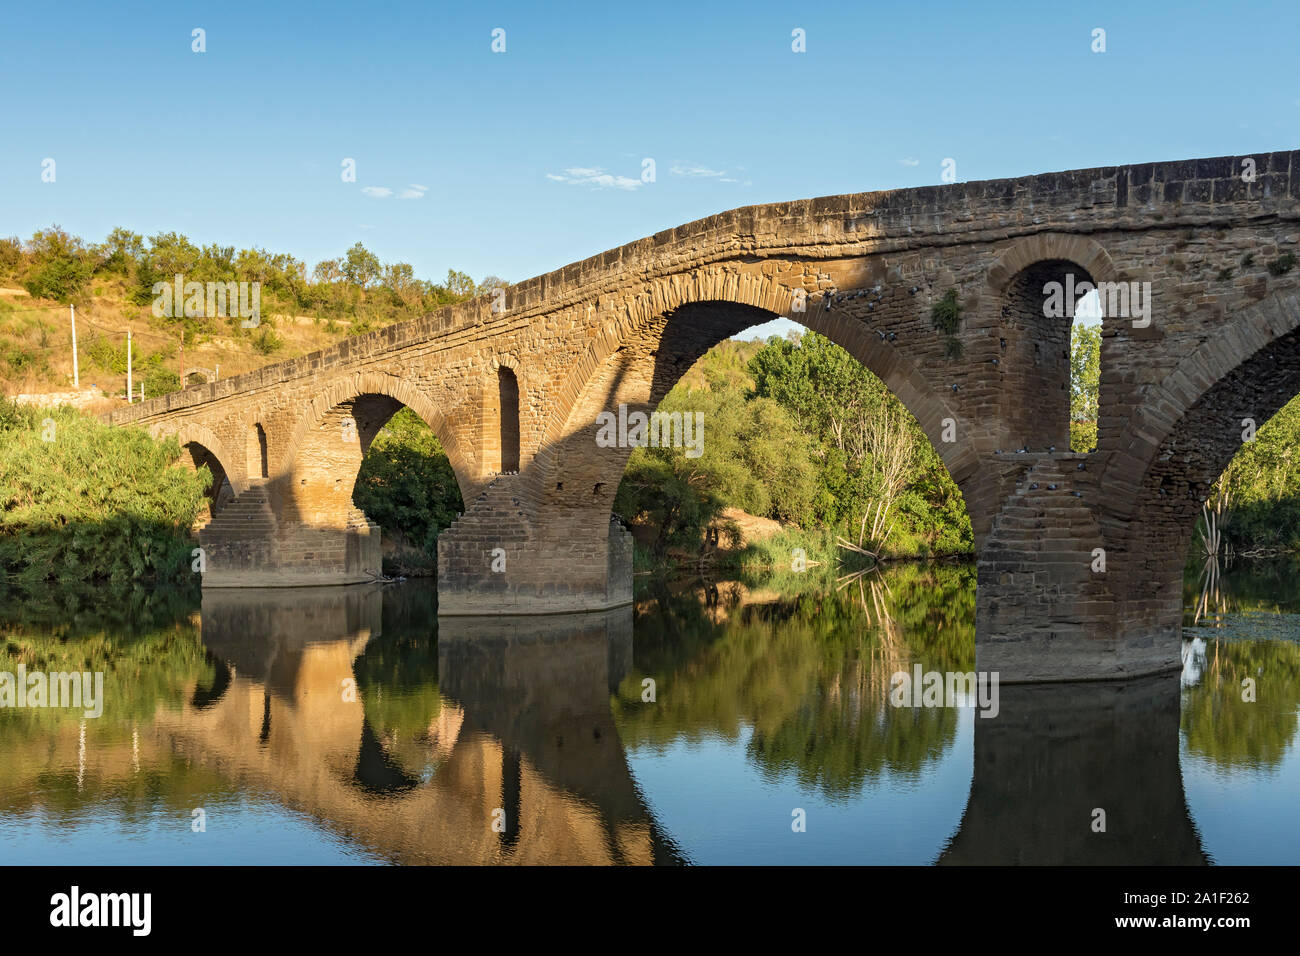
(248, 545)
(496, 560)
(1048, 594)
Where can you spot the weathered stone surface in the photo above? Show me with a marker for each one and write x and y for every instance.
(1222, 345)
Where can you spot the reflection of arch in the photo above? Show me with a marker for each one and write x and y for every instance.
(380, 384)
(205, 697)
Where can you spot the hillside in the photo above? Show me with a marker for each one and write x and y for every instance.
(115, 285)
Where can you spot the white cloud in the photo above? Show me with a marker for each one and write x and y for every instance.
(413, 191)
(377, 192)
(696, 171)
(909, 162)
(595, 177)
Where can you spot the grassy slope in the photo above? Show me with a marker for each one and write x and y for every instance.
(41, 330)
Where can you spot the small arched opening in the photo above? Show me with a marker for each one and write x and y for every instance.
(508, 403)
(257, 460)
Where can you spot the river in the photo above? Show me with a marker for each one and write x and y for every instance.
(719, 723)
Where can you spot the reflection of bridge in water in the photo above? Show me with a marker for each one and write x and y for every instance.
(525, 728)
(1057, 754)
(524, 725)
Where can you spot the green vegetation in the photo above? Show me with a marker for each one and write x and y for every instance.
(1262, 487)
(1281, 265)
(82, 501)
(56, 267)
(1231, 727)
(945, 316)
(1085, 381)
(797, 431)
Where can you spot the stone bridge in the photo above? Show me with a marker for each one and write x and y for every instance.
(512, 385)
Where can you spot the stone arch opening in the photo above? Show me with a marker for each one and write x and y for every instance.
(258, 464)
(219, 492)
(580, 480)
(508, 415)
(1178, 441)
(332, 479)
(1037, 325)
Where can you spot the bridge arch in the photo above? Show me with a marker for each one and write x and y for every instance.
(200, 446)
(752, 300)
(636, 362)
(1090, 254)
(1033, 354)
(399, 392)
(1181, 438)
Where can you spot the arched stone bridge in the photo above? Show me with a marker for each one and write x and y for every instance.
(513, 387)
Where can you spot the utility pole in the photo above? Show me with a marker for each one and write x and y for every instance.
(128, 365)
(182, 359)
(76, 372)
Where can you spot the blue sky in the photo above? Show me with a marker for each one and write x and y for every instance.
(520, 162)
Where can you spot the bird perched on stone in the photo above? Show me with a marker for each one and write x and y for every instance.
(1034, 486)
(1051, 487)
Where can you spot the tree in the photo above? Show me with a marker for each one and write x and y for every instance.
(361, 266)
(60, 265)
(459, 284)
(120, 252)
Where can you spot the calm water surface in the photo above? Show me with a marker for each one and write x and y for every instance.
(351, 726)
